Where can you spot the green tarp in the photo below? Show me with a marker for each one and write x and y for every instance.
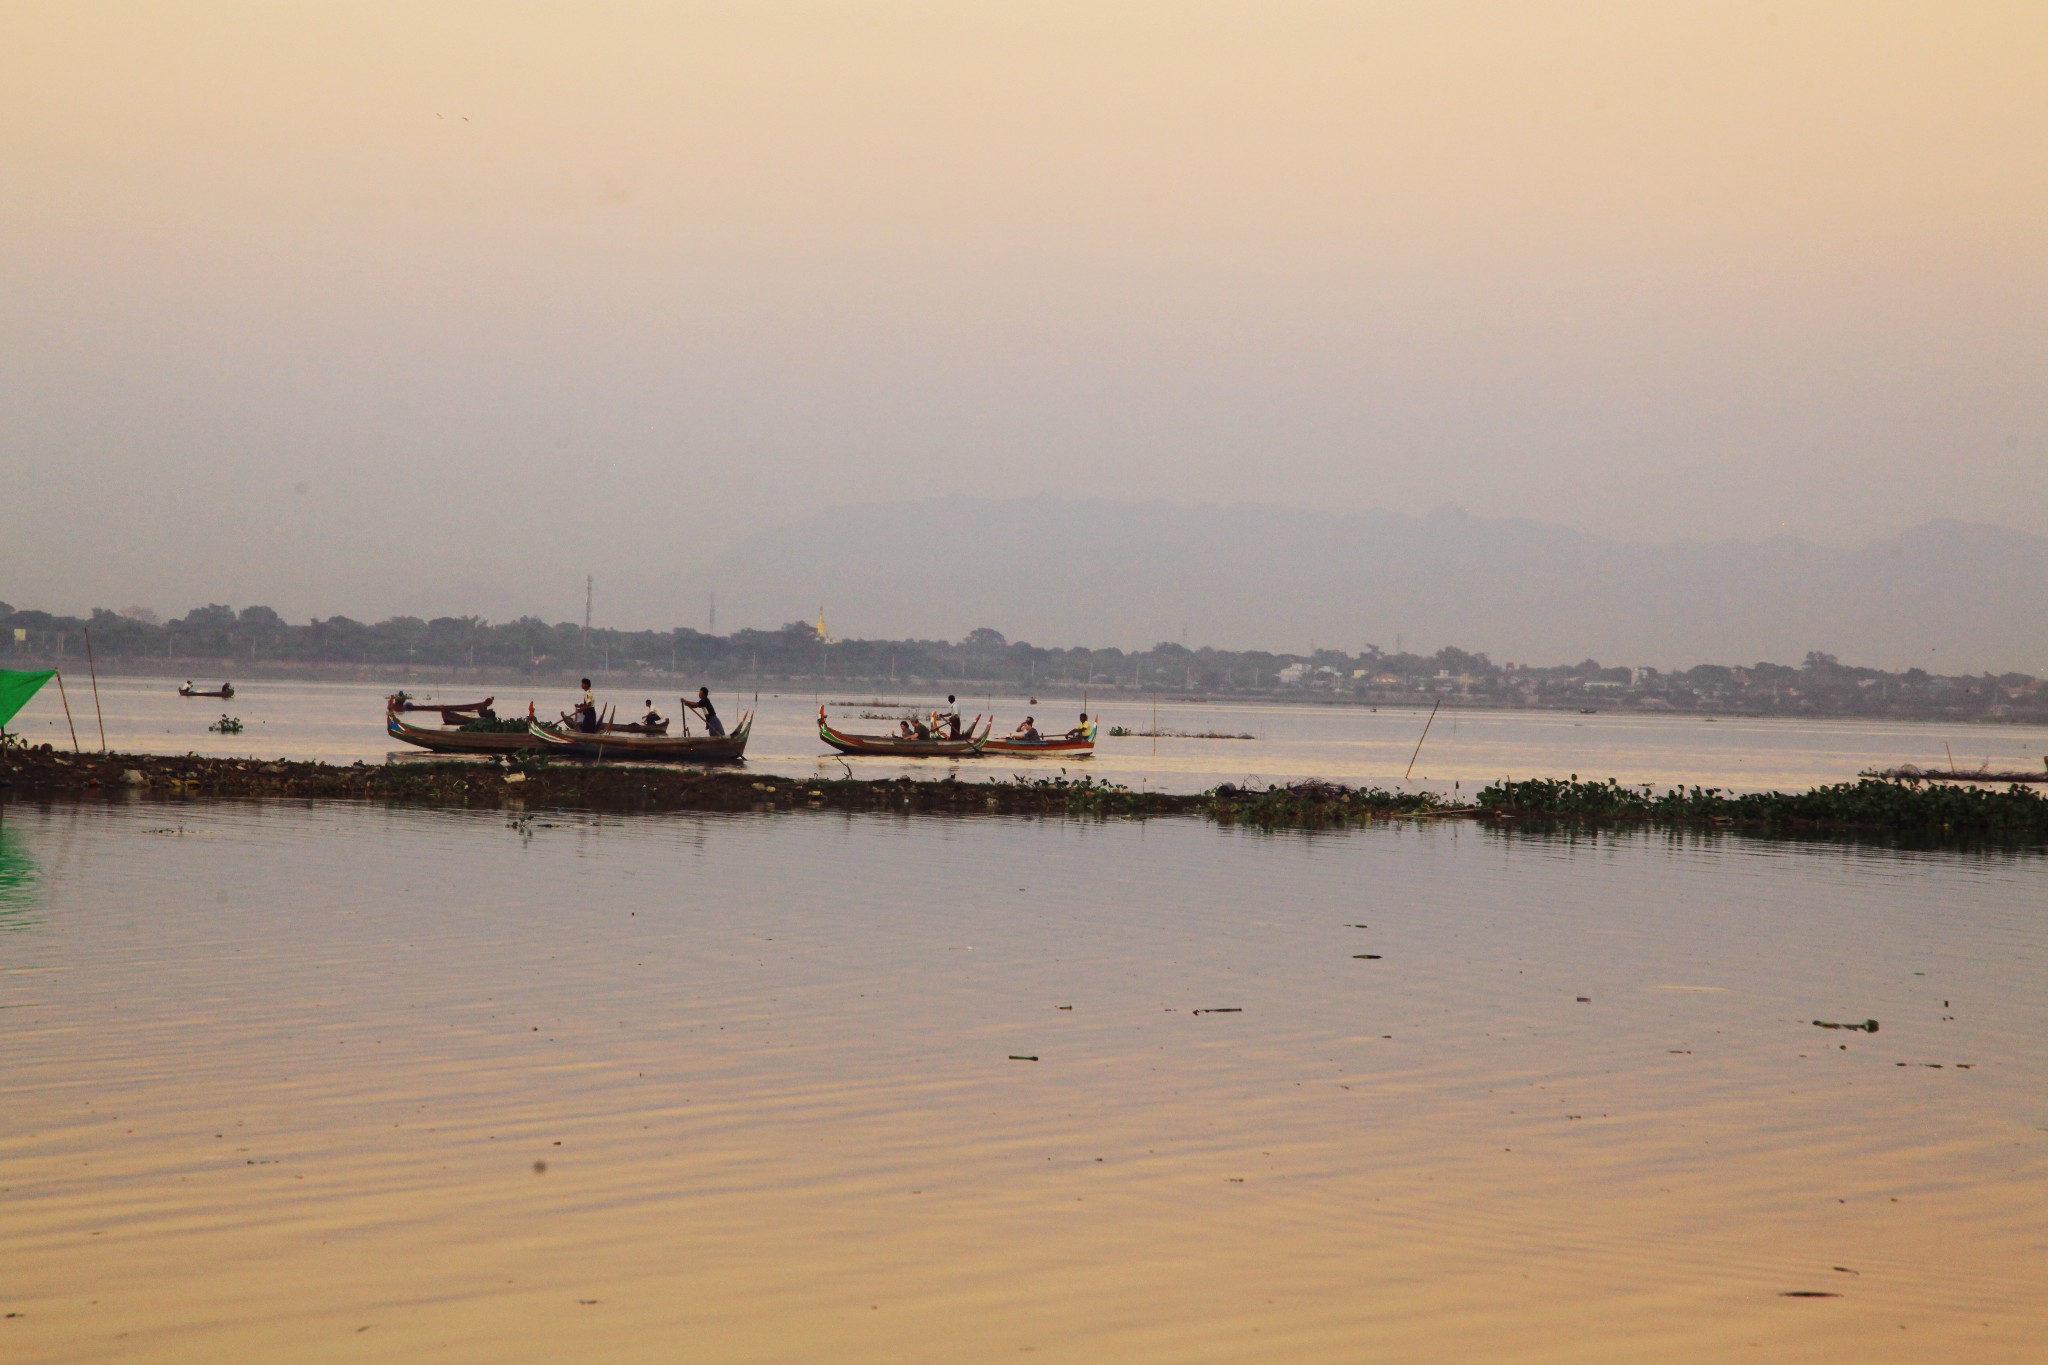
(16, 687)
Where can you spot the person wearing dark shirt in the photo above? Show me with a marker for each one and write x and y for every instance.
(703, 706)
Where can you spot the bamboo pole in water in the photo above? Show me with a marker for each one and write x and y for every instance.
(67, 710)
(93, 670)
(1418, 743)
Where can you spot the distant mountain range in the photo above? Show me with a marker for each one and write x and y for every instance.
(1948, 596)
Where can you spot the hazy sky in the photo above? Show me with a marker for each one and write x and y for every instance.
(429, 306)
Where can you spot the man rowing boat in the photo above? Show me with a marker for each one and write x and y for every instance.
(703, 706)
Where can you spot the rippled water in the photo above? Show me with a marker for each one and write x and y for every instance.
(343, 722)
(281, 1082)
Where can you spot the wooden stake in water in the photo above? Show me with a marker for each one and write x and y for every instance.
(94, 672)
(1155, 725)
(1418, 743)
(67, 711)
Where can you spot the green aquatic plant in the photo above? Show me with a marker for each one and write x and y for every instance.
(1317, 805)
(226, 725)
(495, 725)
(1871, 803)
(1082, 795)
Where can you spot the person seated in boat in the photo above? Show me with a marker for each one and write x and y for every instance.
(903, 730)
(712, 724)
(653, 723)
(1028, 731)
(1079, 731)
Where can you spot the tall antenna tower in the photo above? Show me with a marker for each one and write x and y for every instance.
(587, 583)
(714, 614)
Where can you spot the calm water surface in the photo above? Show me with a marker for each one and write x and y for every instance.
(342, 1083)
(343, 722)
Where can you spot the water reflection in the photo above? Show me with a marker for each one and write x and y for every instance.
(20, 878)
(345, 1081)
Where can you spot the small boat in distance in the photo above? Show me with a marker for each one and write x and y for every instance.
(898, 746)
(620, 743)
(225, 691)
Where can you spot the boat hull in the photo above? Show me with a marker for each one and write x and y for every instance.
(727, 748)
(462, 741)
(1044, 748)
(894, 746)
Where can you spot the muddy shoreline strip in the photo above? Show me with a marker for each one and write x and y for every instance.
(43, 774)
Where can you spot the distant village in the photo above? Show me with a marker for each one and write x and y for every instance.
(215, 643)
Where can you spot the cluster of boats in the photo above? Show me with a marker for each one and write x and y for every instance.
(474, 728)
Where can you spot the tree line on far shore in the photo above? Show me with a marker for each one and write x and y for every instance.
(214, 638)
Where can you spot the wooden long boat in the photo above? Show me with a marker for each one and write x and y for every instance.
(1051, 747)
(225, 691)
(726, 748)
(470, 706)
(453, 713)
(896, 746)
(461, 741)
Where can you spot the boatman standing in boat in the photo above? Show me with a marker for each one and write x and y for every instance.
(586, 711)
(712, 724)
(948, 719)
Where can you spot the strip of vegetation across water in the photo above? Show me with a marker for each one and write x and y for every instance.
(1868, 804)
(1925, 812)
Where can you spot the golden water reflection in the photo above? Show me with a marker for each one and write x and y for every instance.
(282, 1082)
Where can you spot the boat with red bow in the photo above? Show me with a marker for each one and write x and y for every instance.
(1080, 745)
(908, 746)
